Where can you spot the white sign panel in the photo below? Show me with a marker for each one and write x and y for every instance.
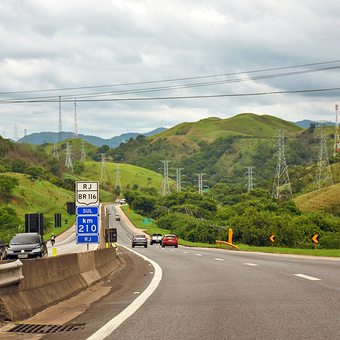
(87, 193)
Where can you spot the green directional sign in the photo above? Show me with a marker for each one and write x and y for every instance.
(146, 220)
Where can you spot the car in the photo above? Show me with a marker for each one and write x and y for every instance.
(139, 240)
(170, 240)
(117, 217)
(26, 246)
(2, 250)
(156, 238)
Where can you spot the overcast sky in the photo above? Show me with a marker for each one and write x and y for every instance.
(68, 45)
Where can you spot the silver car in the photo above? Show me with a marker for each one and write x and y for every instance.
(139, 240)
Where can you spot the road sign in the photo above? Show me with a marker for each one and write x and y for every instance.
(87, 210)
(146, 220)
(272, 238)
(87, 193)
(88, 239)
(87, 225)
(315, 238)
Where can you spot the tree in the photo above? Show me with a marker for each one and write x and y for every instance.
(18, 165)
(7, 185)
(129, 196)
(145, 204)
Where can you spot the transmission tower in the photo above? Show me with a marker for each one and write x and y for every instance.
(250, 174)
(103, 175)
(25, 136)
(281, 186)
(55, 149)
(200, 183)
(68, 161)
(60, 128)
(336, 133)
(166, 187)
(118, 183)
(323, 175)
(179, 178)
(75, 132)
(16, 133)
(83, 154)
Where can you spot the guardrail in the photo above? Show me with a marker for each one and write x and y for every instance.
(10, 273)
(224, 243)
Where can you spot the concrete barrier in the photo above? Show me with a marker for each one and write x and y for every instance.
(50, 280)
(10, 273)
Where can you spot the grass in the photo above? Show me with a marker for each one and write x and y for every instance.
(137, 221)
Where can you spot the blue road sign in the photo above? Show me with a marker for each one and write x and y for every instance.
(88, 238)
(87, 210)
(87, 225)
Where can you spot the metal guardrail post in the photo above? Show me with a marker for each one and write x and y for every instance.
(11, 273)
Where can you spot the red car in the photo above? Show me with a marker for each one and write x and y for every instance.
(170, 240)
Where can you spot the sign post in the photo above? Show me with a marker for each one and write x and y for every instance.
(88, 216)
(315, 239)
(272, 238)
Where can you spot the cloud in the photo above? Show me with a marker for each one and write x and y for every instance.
(70, 44)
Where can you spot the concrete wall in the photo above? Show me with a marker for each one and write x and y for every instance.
(50, 280)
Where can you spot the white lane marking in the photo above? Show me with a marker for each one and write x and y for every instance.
(311, 278)
(198, 254)
(109, 327)
(217, 259)
(184, 252)
(251, 264)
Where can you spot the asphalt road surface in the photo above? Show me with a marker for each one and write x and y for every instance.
(215, 294)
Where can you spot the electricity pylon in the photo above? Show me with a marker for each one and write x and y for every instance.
(83, 153)
(200, 182)
(118, 183)
(281, 186)
(250, 174)
(336, 148)
(166, 186)
(103, 174)
(179, 178)
(55, 149)
(68, 161)
(323, 175)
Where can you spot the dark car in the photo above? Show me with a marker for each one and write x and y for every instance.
(2, 250)
(170, 240)
(139, 240)
(26, 246)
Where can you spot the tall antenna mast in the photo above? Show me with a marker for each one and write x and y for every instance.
(75, 132)
(323, 175)
(103, 175)
(166, 187)
(281, 186)
(250, 174)
(60, 128)
(336, 133)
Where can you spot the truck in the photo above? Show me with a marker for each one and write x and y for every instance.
(156, 238)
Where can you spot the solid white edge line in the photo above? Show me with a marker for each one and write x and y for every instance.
(311, 278)
(251, 264)
(114, 323)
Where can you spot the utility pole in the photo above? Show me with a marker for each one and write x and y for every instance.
(118, 183)
(323, 175)
(103, 175)
(200, 183)
(60, 128)
(281, 186)
(179, 178)
(250, 174)
(166, 186)
(336, 133)
(68, 161)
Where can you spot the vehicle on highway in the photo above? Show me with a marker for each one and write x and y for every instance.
(2, 250)
(156, 238)
(117, 217)
(170, 240)
(122, 201)
(139, 240)
(26, 246)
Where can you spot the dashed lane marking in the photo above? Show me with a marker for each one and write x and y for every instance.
(311, 278)
(251, 264)
(198, 254)
(217, 259)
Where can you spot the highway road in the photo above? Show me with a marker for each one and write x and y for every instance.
(214, 294)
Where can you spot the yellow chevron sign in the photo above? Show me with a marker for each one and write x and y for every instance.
(315, 238)
(272, 238)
